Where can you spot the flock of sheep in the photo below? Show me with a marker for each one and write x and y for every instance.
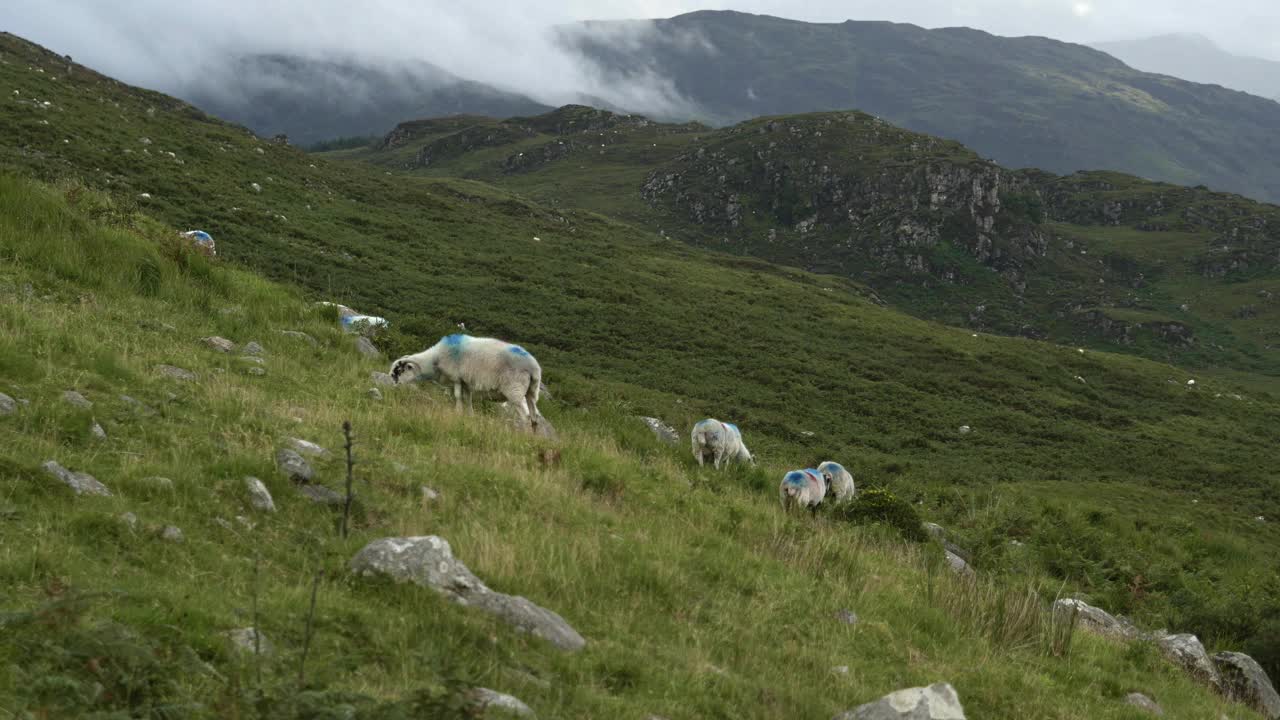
(473, 364)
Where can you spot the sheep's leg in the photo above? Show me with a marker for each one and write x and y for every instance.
(698, 454)
(719, 458)
(531, 399)
(471, 393)
(457, 395)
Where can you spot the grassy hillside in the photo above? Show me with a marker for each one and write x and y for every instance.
(1026, 102)
(1097, 259)
(1122, 482)
(697, 596)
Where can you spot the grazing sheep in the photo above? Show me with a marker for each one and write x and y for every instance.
(483, 364)
(804, 488)
(839, 481)
(721, 441)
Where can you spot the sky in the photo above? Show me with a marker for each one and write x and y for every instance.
(170, 44)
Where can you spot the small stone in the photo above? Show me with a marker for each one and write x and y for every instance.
(175, 373)
(321, 495)
(848, 617)
(219, 344)
(375, 393)
(840, 670)
(957, 564)
(249, 640)
(965, 429)
(429, 495)
(936, 702)
(255, 370)
(80, 483)
(97, 431)
(172, 534)
(259, 496)
(1142, 701)
(300, 336)
(366, 348)
(306, 447)
(136, 405)
(250, 359)
(245, 522)
(256, 187)
(293, 466)
(662, 431)
(381, 378)
(130, 519)
(71, 397)
(252, 348)
(222, 523)
(8, 405)
(160, 483)
(484, 700)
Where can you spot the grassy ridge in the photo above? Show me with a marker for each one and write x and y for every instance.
(698, 597)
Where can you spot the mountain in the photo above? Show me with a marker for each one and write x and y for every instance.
(1026, 102)
(1055, 470)
(1098, 259)
(1196, 58)
(311, 100)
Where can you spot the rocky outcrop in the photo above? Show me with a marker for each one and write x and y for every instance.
(294, 466)
(936, 702)
(1245, 682)
(428, 561)
(79, 482)
(661, 430)
(1185, 650)
(1094, 620)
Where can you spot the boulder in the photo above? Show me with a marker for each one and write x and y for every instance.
(1142, 701)
(293, 466)
(219, 344)
(259, 496)
(242, 640)
(80, 483)
(516, 418)
(252, 348)
(936, 702)
(428, 561)
(1185, 650)
(491, 703)
(1094, 620)
(8, 405)
(366, 348)
(958, 565)
(175, 373)
(73, 398)
(662, 431)
(1245, 682)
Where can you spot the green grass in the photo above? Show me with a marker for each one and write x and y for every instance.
(698, 597)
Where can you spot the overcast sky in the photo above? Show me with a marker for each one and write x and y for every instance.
(165, 44)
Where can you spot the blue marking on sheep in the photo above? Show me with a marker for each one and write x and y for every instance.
(796, 478)
(454, 344)
(517, 350)
(733, 427)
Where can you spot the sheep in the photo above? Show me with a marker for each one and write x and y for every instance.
(804, 488)
(722, 441)
(484, 364)
(839, 481)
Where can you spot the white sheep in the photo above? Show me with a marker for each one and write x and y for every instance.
(839, 481)
(483, 364)
(803, 488)
(721, 441)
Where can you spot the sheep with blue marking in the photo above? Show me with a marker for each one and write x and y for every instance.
(474, 364)
(721, 442)
(839, 481)
(802, 488)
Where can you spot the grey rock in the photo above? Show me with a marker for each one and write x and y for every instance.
(848, 617)
(176, 373)
(321, 495)
(219, 344)
(251, 360)
(80, 483)
(130, 519)
(936, 702)
(8, 405)
(1094, 620)
(957, 564)
(1244, 681)
(245, 522)
(935, 530)
(242, 641)
(173, 534)
(300, 336)
(255, 370)
(366, 348)
(71, 397)
(381, 378)
(223, 523)
(840, 670)
(513, 416)
(662, 431)
(252, 348)
(259, 495)
(160, 483)
(294, 466)
(308, 448)
(1142, 701)
(429, 495)
(495, 704)
(375, 393)
(428, 561)
(1185, 650)
(97, 431)
(136, 405)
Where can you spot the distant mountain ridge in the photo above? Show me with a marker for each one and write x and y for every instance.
(1197, 58)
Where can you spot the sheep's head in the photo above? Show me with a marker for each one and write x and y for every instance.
(403, 371)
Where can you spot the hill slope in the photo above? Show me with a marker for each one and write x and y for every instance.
(1163, 529)
(1100, 259)
(1198, 59)
(1026, 102)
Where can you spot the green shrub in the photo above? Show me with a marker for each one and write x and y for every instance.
(877, 505)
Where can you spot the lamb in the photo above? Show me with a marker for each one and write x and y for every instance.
(839, 481)
(804, 488)
(483, 364)
(720, 440)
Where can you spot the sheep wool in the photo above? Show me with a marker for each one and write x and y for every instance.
(802, 488)
(474, 364)
(839, 481)
(719, 441)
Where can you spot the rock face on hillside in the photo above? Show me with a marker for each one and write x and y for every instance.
(1094, 620)
(428, 561)
(1186, 651)
(1244, 681)
(81, 483)
(936, 702)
